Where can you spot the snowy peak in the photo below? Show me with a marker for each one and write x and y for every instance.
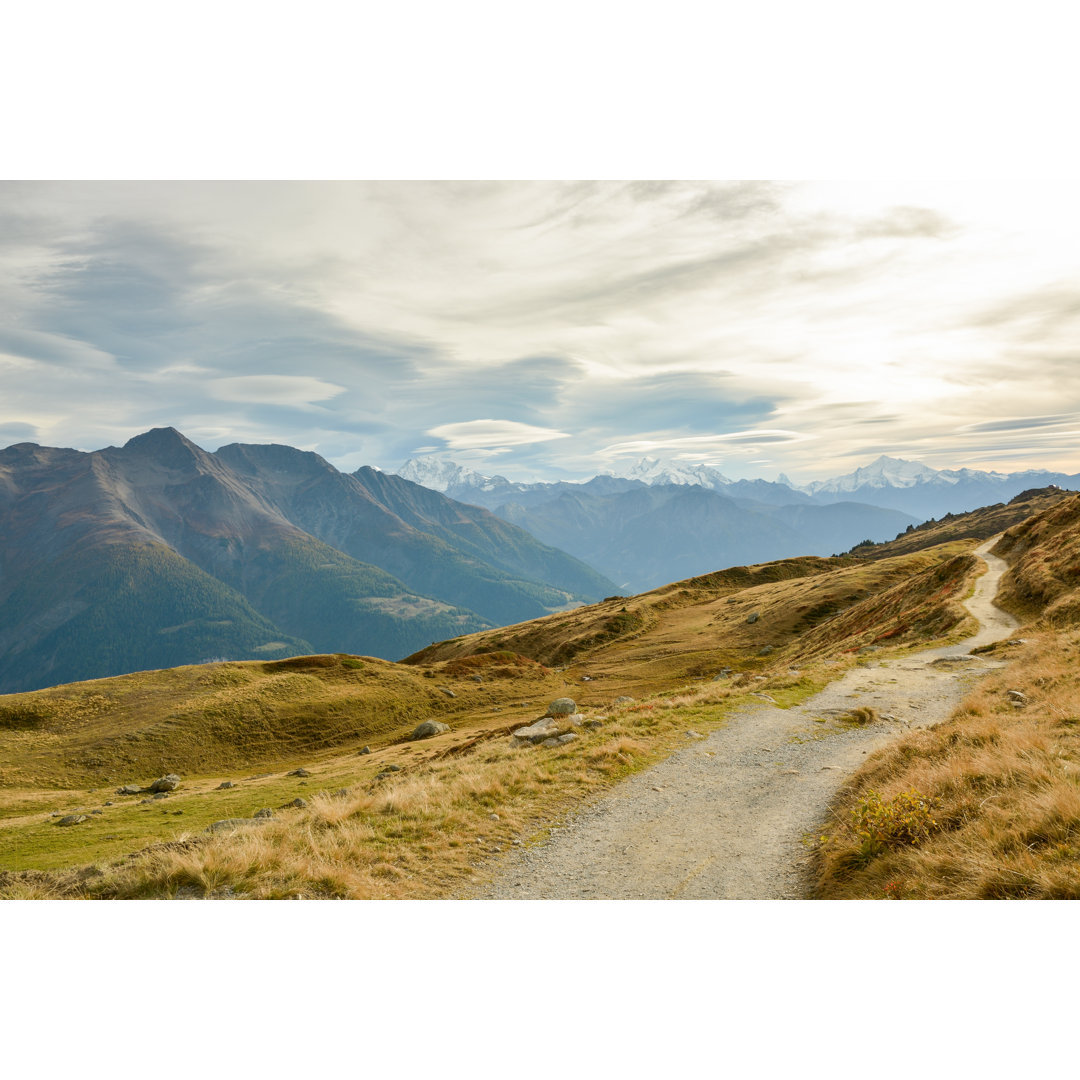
(656, 471)
(440, 474)
(885, 472)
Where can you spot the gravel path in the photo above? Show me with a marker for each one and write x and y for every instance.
(725, 817)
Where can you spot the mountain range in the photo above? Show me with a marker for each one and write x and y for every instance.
(158, 553)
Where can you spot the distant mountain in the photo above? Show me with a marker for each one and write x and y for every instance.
(928, 493)
(642, 535)
(158, 553)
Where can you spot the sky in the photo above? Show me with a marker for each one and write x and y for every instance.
(550, 328)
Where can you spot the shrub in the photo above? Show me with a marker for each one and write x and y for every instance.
(905, 819)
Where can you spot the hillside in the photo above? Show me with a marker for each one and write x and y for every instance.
(159, 553)
(711, 641)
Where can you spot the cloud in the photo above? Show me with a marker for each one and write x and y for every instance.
(273, 389)
(490, 434)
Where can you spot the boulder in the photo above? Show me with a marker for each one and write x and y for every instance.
(622, 699)
(366, 750)
(544, 728)
(429, 728)
(169, 782)
(298, 803)
(562, 706)
(298, 772)
(129, 789)
(71, 819)
(225, 785)
(227, 823)
(266, 812)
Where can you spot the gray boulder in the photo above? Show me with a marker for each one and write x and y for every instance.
(266, 812)
(623, 699)
(164, 783)
(72, 819)
(429, 728)
(562, 706)
(225, 785)
(544, 728)
(129, 789)
(366, 750)
(298, 772)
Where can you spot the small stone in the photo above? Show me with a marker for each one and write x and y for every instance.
(592, 725)
(753, 616)
(448, 693)
(366, 750)
(1017, 697)
(298, 772)
(97, 811)
(108, 804)
(164, 783)
(623, 700)
(142, 801)
(428, 729)
(71, 819)
(266, 812)
(768, 650)
(162, 795)
(563, 706)
(694, 735)
(478, 678)
(570, 736)
(550, 742)
(494, 817)
(129, 789)
(299, 803)
(225, 785)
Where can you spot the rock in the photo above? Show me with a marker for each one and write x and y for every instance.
(366, 750)
(298, 772)
(266, 812)
(570, 736)
(544, 728)
(129, 789)
(494, 817)
(164, 783)
(225, 785)
(108, 804)
(1017, 697)
(448, 693)
(72, 819)
(562, 706)
(298, 803)
(162, 795)
(694, 735)
(592, 725)
(478, 678)
(98, 811)
(142, 801)
(753, 616)
(623, 700)
(429, 728)
(227, 823)
(767, 651)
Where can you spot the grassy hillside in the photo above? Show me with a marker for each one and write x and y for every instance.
(368, 830)
(987, 804)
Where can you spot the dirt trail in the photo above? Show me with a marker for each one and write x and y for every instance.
(725, 818)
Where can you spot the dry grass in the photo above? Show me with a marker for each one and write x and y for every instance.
(1005, 784)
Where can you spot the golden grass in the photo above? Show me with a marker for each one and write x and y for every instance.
(1005, 783)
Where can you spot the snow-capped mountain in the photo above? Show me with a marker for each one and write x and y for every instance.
(890, 472)
(440, 474)
(657, 471)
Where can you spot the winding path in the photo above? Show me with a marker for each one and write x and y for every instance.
(725, 817)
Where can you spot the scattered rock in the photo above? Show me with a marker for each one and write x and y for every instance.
(72, 819)
(1018, 698)
(108, 804)
(169, 782)
(768, 650)
(478, 678)
(129, 789)
(225, 785)
(298, 772)
(544, 728)
(429, 728)
(570, 736)
(162, 795)
(142, 801)
(624, 700)
(366, 750)
(102, 811)
(562, 706)
(298, 803)
(494, 817)
(448, 693)
(592, 725)
(266, 812)
(753, 616)
(694, 735)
